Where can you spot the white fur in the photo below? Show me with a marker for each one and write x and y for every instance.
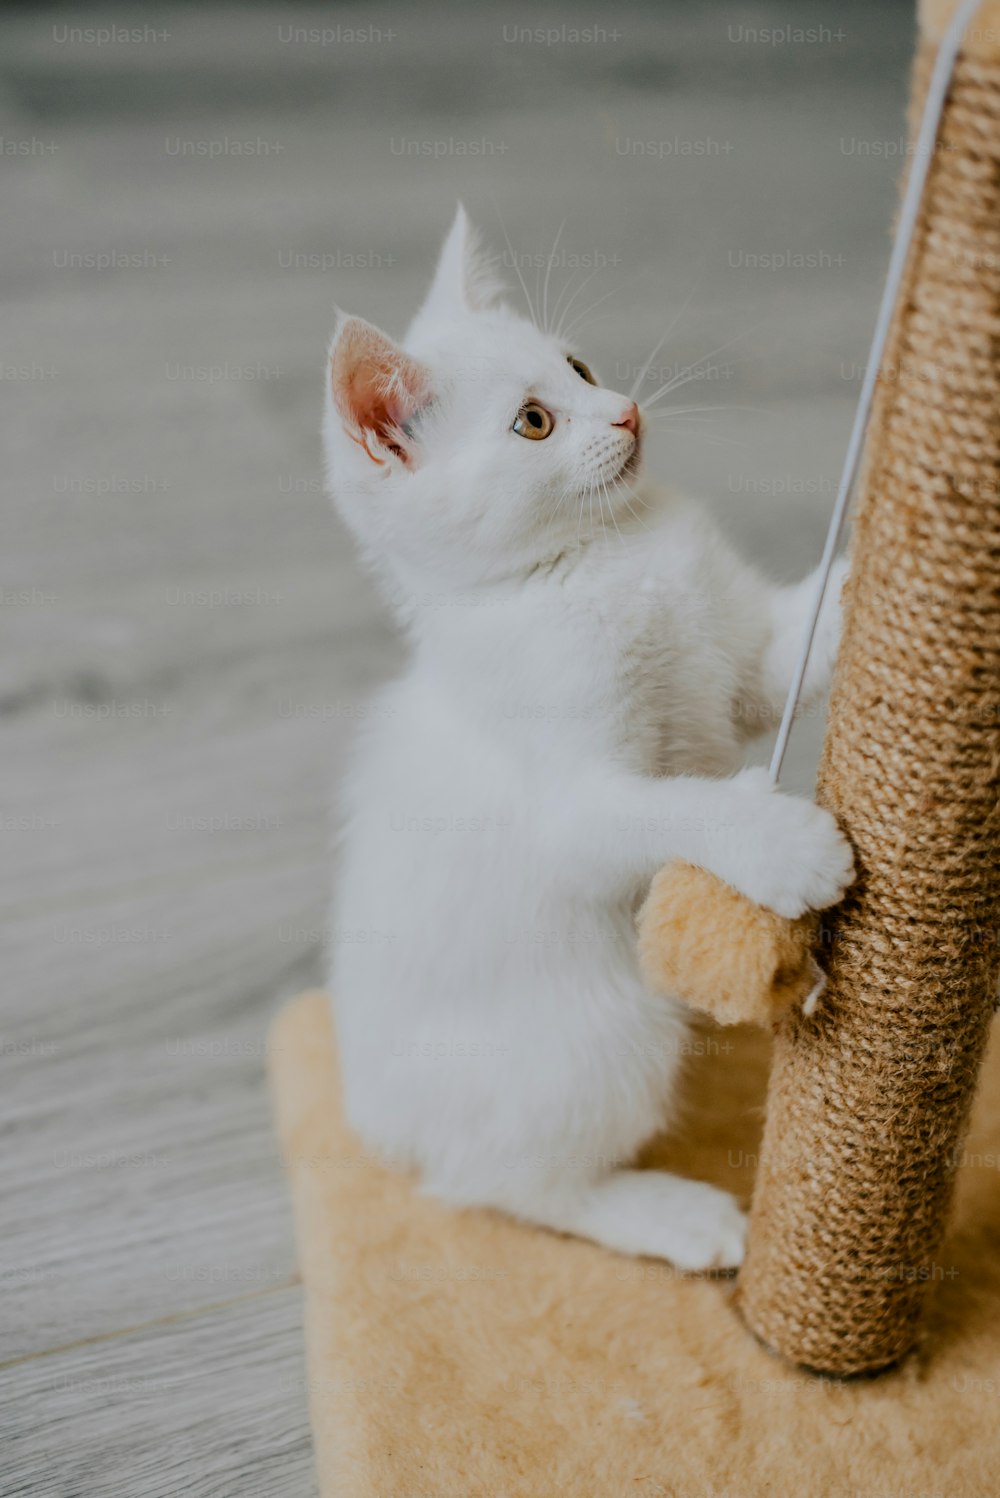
(589, 657)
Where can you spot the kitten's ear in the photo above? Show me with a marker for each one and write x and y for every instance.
(464, 280)
(377, 389)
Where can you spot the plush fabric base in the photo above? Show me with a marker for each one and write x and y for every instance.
(463, 1354)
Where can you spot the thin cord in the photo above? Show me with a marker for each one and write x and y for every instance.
(937, 93)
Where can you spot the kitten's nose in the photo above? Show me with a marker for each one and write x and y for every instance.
(630, 420)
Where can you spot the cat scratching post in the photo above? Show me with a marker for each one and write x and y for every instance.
(869, 1097)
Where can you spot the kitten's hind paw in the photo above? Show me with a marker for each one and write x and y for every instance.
(694, 1226)
(712, 1236)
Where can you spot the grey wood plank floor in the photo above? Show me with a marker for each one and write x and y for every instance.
(188, 646)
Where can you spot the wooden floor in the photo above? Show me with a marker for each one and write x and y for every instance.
(188, 647)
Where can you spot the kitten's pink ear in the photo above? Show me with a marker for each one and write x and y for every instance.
(377, 389)
(463, 280)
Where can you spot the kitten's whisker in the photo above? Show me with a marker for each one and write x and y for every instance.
(611, 512)
(691, 410)
(561, 499)
(590, 321)
(619, 486)
(670, 328)
(548, 272)
(692, 373)
(601, 492)
(572, 329)
(689, 369)
(636, 516)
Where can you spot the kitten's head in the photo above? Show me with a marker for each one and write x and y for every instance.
(477, 446)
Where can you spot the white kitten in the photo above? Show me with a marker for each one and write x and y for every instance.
(588, 655)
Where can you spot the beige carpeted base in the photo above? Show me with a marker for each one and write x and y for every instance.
(463, 1354)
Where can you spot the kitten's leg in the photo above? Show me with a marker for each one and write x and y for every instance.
(693, 1225)
(789, 610)
(608, 831)
(646, 1212)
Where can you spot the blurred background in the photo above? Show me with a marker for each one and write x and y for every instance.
(187, 191)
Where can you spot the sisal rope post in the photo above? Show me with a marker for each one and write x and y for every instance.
(870, 1095)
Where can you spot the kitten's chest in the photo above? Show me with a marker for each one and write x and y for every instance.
(653, 669)
(677, 689)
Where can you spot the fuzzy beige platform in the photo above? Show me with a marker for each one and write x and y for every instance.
(463, 1354)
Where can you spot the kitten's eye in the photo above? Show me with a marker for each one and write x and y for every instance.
(581, 369)
(533, 421)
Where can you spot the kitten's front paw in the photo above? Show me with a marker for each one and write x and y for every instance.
(792, 856)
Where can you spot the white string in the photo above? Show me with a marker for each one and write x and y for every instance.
(926, 141)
